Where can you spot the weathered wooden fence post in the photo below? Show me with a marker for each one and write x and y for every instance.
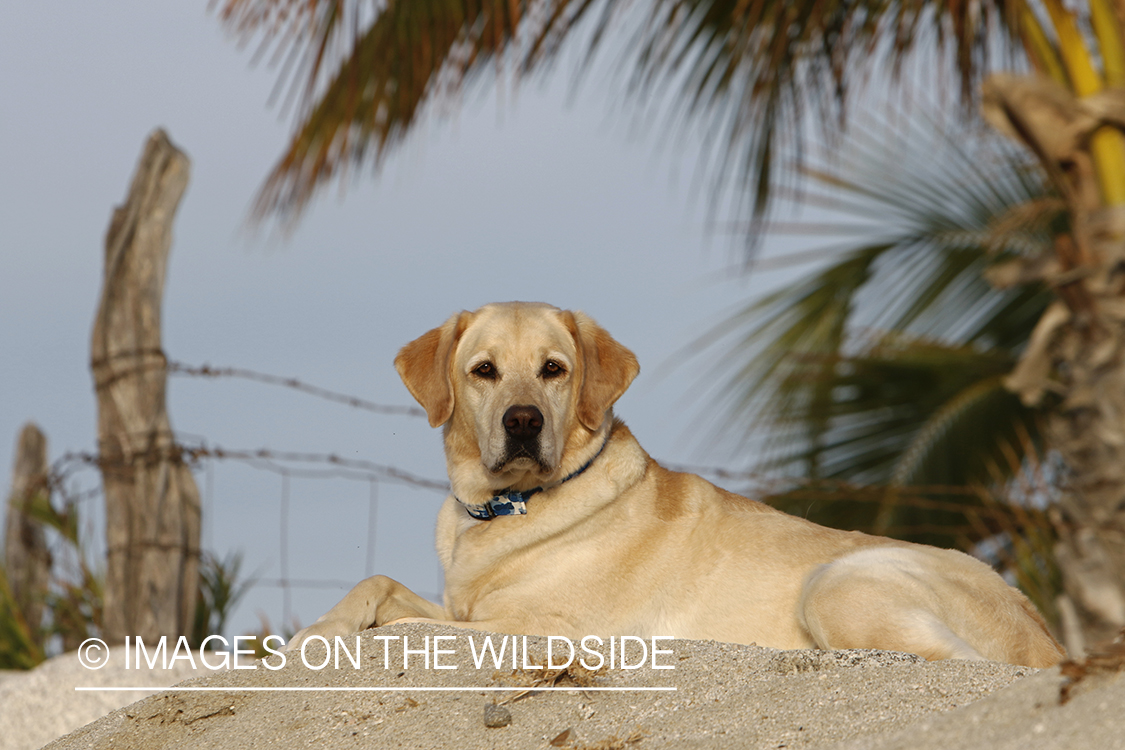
(27, 559)
(152, 503)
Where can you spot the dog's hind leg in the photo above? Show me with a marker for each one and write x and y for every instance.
(882, 598)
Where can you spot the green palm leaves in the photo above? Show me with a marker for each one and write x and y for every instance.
(886, 365)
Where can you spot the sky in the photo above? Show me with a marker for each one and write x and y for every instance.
(532, 194)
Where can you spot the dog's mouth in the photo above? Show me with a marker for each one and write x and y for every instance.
(521, 455)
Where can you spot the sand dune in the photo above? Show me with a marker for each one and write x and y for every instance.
(724, 695)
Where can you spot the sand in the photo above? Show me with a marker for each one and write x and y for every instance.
(41, 705)
(725, 696)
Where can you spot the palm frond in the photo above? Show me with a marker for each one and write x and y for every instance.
(983, 414)
(363, 78)
(757, 74)
(900, 341)
(752, 72)
(922, 410)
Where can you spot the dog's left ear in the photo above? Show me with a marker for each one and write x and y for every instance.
(424, 363)
(607, 368)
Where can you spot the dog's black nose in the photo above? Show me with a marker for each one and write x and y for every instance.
(523, 422)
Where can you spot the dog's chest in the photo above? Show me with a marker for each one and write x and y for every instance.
(498, 563)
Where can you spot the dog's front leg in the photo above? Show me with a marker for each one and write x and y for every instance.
(372, 602)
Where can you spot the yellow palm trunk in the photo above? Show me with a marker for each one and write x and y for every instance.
(1108, 144)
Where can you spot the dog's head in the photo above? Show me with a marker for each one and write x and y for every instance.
(519, 387)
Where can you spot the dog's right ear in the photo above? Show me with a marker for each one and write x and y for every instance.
(424, 363)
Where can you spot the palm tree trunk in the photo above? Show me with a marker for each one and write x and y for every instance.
(1088, 430)
(1077, 352)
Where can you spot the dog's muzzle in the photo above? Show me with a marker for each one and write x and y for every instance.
(523, 424)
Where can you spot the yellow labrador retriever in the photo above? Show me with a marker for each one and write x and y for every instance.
(559, 523)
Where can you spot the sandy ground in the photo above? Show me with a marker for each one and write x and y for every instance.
(41, 705)
(725, 696)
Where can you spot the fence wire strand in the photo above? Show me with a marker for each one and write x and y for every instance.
(207, 371)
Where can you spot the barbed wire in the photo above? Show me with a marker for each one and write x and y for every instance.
(207, 371)
(266, 458)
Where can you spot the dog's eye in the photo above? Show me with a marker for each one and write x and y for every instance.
(552, 369)
(485, 370)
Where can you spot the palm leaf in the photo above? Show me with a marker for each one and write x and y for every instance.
(839, 402)
(909, 411)
(752, 72)
(363, 82)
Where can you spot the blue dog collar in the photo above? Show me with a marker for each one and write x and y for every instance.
(514, 502)
(507, 503)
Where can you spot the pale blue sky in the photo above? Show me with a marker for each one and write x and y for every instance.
(537, 198)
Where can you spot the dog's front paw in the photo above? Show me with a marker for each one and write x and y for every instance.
(327, 629)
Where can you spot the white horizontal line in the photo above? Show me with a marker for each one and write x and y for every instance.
(372, 689)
